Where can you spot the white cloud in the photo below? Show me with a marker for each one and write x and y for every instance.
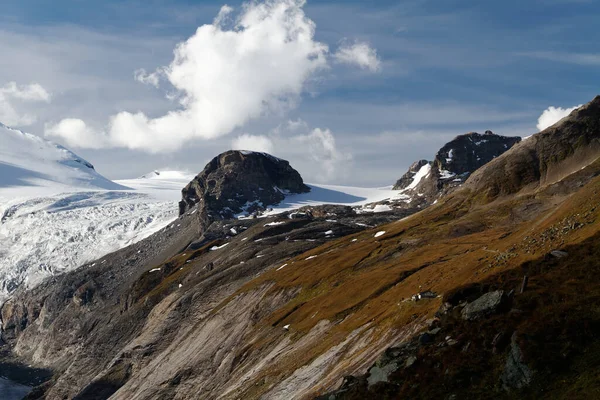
(321, 146)
(552, 115)
(253, 142)
(226, 78)
(11, 94)
(223, 16)
(76, 133)
(146, 78)
(360, 54)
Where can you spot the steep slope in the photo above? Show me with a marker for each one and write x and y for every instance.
(286, 307)
(562, 149)
(32, 165)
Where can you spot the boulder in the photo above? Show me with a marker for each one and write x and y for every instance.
(559, 254)
(516, 374)
(487, 304)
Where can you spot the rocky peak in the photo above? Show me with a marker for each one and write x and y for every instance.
(468, 152)
(425, 181)
(240, 181)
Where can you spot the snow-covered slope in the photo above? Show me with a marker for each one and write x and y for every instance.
(57, 212)
(44, 236)
(331, 194)
(31, 165)
(164, 185)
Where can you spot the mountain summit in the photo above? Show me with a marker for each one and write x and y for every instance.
(29, 161)
(425, 181)
(241, 182)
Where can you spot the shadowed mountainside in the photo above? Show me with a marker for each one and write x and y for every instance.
(286, 307)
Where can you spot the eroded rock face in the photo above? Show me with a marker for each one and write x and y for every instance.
(240, 181)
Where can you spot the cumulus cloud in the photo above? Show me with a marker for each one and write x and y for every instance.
(552, 115)
(253, 142)
(12, 95)
(146, 78)
(320, 144)
(360, 54)
(226, 77)
(76, 133)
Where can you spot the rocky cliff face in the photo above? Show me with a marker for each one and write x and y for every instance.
(426, 181)
(240, 182)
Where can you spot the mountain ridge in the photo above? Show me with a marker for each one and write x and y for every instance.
(286, 307)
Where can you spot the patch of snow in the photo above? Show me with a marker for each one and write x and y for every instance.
(154, 270)
(377, 209)
(330, 194)
(281, 267)
(214, 248)
(275, 223)
(310, 258)
(380, 233)
(421, 173)
(445, 174)
(330, 232)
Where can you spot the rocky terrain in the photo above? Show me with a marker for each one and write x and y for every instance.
(426, 181)
(491, 292)
(240, 182)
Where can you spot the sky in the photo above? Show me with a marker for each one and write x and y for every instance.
(350, 92)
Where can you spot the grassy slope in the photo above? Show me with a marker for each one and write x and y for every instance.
(459, 242)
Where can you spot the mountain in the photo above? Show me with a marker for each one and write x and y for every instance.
(57, 213)
(426, 181)
(241, 181)
(30, 164)
(491, 292)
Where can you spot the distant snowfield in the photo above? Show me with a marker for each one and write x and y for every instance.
(332, 194)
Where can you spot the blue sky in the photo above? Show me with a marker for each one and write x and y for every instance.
(446, 67)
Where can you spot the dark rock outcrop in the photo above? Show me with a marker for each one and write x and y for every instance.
(516, 373)
(469, 152)
(240, 181)
(426, 181)
(409, 176)
(458, 159)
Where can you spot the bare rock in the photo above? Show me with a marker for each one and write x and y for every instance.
(487, 304)
(240, 181)
(516, 373)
